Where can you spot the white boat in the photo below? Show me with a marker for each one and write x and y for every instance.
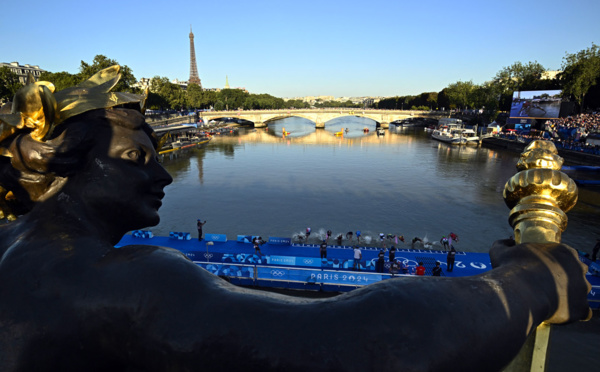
(449, 133)
(471, 137)
(448, 121)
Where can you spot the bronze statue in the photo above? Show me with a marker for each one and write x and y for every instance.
(70, 301)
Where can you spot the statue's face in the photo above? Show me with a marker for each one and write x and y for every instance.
(124, 182)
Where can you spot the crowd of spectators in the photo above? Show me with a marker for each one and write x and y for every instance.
(569, 133)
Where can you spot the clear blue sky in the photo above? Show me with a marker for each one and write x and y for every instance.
(299, 48)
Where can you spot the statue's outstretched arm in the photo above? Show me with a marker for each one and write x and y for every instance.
(472, 323)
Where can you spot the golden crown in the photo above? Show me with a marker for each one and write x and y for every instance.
(38, 109)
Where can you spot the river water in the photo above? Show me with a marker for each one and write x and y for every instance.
(260, 182)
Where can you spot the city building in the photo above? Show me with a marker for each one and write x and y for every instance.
(22, 70)
(550, 75)
(182, 84)
(143, 84)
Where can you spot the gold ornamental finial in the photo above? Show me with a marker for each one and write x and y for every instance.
(539, 195)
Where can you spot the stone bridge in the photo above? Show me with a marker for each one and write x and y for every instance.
(261, 118)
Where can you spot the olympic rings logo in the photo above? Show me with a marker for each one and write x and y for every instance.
(277, 273)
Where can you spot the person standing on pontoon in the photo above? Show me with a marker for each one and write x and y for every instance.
(357, 258)
(323, 249)
(199, 224)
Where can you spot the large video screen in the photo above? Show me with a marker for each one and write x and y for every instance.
(536, 104)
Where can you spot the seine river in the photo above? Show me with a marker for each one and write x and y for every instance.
(260, 182)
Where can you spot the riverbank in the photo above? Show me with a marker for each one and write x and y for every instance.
(570, 157)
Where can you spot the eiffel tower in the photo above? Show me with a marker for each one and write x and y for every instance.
(194, 79)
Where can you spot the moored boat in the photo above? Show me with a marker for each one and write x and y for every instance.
(184, 143)
(471, 137)
(449, 133)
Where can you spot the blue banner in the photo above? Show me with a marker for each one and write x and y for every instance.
(227, 258)
(281, 260)
(295, 261)
(344, 278)
(309, 261)
(180, 235)
(203, 256)
(215, 237)
(273, 273)
(146, 234)
(245, 238)
(237, 271)
(279, 241)
(316, 276)
(336, 263)
(247, 258)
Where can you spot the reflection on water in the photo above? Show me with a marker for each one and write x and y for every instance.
(339, 128)
(263, 183)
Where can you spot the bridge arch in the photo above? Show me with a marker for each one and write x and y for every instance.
(295, 115)
(377, 124)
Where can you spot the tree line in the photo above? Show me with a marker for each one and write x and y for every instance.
(578, 81)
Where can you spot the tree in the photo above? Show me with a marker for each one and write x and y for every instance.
(519, 76)
(296, 103)
(208, 99)
(443, 100)
(61, 80)
(165, 94)
(101, 62)
(428, 99)
(460, 94)
(581, 71)
(194, 96)
(487, 96)
(388, 103)
(219, 105)
(9, 83)
(232, 98)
